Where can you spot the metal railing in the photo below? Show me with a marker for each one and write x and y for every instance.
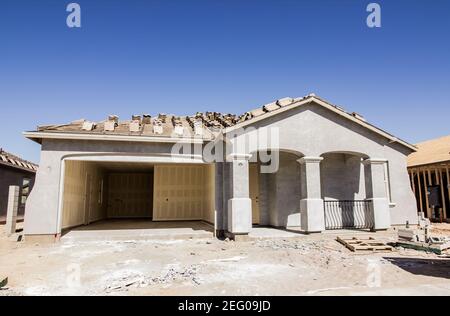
(354, 214)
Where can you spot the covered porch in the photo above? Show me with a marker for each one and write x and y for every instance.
(308, 194)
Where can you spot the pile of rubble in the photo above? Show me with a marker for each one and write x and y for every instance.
(422, 238)
(133, 279)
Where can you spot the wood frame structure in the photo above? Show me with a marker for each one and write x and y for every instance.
(421, 178)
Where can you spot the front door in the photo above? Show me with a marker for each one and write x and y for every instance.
(254, 191)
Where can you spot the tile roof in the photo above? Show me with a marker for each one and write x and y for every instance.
(204, 125)
(11, 160)
(144, 125)
(431, 152)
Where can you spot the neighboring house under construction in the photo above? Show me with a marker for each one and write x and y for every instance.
(429, 172)
(17, 172)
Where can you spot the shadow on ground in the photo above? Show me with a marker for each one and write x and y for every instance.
(439, 268)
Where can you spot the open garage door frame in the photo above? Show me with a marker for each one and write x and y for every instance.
(184, 192)
(183, 200)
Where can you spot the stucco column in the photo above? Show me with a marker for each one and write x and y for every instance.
(376, 192)
(240, 204)
(311, 203)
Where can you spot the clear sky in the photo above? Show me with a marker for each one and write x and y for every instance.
(185, 56)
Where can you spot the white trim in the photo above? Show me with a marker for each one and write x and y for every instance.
(113, 158)
(120, 138)
(196, 159)
(304, 160)
(374, 161)
(236, 156)
(59, 217)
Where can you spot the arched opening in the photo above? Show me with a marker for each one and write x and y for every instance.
(275, 188)
(343, 189)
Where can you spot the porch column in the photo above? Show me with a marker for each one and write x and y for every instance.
(311, 203)
(240, 204)
(376, 192)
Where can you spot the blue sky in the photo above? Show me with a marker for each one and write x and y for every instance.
(170, 56)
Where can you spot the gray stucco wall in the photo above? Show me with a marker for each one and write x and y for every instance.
(280, 194)
(42, 216)
(342, 177)
(312, 130)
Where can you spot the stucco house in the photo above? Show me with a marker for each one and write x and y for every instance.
(301, 163)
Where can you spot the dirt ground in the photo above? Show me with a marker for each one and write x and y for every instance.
(305, 265)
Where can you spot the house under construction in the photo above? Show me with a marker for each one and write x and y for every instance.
(429, 172)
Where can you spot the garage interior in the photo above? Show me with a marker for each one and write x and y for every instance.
(129, 196)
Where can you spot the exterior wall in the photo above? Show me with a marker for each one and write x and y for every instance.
(12, 176)
(313, 131)
(403, 202)
(342, 177)
(42, 210)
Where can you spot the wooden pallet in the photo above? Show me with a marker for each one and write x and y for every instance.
(356, 244)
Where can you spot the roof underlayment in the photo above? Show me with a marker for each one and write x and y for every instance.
(431, 152)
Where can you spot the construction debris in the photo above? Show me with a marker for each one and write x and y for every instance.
(131, 279)
(370, 244)
(437, 248)
(3, 281)
(421, 238)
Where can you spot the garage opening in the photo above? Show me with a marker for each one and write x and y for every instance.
(127, 196)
